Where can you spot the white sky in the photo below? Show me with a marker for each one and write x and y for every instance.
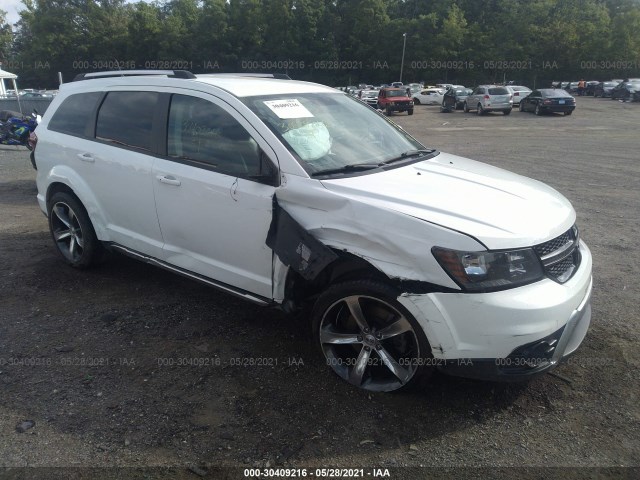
(11, 7)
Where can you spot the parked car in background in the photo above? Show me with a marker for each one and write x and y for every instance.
(428, 96)
(518, 92)
(397, 84)
(565, 85)
(394, 100)
(370, 97)
(591, 87)
(627, 91)
(603, 89)
(489, 98)
(548, 100)
(453, 99)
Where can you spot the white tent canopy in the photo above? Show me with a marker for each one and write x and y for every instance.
(4, 76)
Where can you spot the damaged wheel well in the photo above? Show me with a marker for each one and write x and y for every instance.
(300, 292)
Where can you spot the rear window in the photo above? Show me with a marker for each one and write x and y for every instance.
(74, 114)
(126, 118)
(498, 91)
(553, 93)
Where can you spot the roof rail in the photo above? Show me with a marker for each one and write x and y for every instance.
(133, 73)
(279, 76)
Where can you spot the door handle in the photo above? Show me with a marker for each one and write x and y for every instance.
(86, 157)
(168, 179)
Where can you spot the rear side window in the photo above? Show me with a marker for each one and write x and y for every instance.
(74, 114)
(498, 91)
(126, 118)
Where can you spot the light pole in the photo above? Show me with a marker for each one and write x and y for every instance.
(404, 46)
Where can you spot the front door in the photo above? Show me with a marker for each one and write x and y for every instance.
(213, 205)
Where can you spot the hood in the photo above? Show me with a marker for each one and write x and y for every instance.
(499, 208)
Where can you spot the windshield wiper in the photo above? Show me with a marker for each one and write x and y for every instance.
(408, 154)
(347, 168)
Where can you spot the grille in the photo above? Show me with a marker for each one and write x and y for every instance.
(555, 244)
(560, 256)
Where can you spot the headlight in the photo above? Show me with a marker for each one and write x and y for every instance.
(490, 271)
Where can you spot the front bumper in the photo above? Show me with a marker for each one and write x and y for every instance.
(510, 334)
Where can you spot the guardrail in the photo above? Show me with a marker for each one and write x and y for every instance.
(27, 104)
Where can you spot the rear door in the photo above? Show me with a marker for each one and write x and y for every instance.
(214, 190)
(112, 160)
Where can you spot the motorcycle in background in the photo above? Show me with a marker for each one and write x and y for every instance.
(16, 129)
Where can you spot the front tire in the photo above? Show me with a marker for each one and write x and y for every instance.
(538, 110)
(369, 339)
(72, 231)
(416, 101)
(410, 112)
(521, 107)
(465, 107)
(506, 112)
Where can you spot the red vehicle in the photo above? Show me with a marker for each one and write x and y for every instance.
(394, 100)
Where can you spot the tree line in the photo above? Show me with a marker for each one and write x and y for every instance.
(336, 42)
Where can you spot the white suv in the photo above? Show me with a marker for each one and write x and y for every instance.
(292, 194)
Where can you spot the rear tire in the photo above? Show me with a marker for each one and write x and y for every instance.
(479, 110)
(369, 339)
(538, 111)
(416, 101)
(72, 231)
(465, 107)
(521, 107)
(506, 112)
(568, 113)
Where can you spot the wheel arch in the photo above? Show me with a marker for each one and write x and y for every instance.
(65, 180)
(297, 292)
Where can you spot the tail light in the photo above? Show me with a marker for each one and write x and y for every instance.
(547, 102)
(487, 97)
(516, 94)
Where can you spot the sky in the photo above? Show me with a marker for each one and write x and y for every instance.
(11, 7)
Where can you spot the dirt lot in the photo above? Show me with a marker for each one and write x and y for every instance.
(103, 360)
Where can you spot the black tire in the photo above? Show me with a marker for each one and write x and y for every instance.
(568, 113)
(538, 110)
(465, 107)
(479, 110)
(388, 112)
(410, 112)
(72, 231)
(521, 107)
(506, 112)
(32, 157)
(416, 101)
(398, 359)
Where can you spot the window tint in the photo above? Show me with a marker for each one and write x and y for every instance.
(205, 133)
(498, 91)
(74, 114)
(127, 118)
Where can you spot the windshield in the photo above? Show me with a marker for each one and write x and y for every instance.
(396, 93)
(328, 131)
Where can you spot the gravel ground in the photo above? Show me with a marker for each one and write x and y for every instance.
(146, 375)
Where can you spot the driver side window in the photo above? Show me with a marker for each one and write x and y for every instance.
(204, 134)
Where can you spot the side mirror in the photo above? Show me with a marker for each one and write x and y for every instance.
(267, 171)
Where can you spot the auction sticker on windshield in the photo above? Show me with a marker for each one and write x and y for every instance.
(288, 108)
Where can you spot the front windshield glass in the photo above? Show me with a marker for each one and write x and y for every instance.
(327, 131)
(396, 93)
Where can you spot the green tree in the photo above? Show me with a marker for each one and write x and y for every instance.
(6, 37)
